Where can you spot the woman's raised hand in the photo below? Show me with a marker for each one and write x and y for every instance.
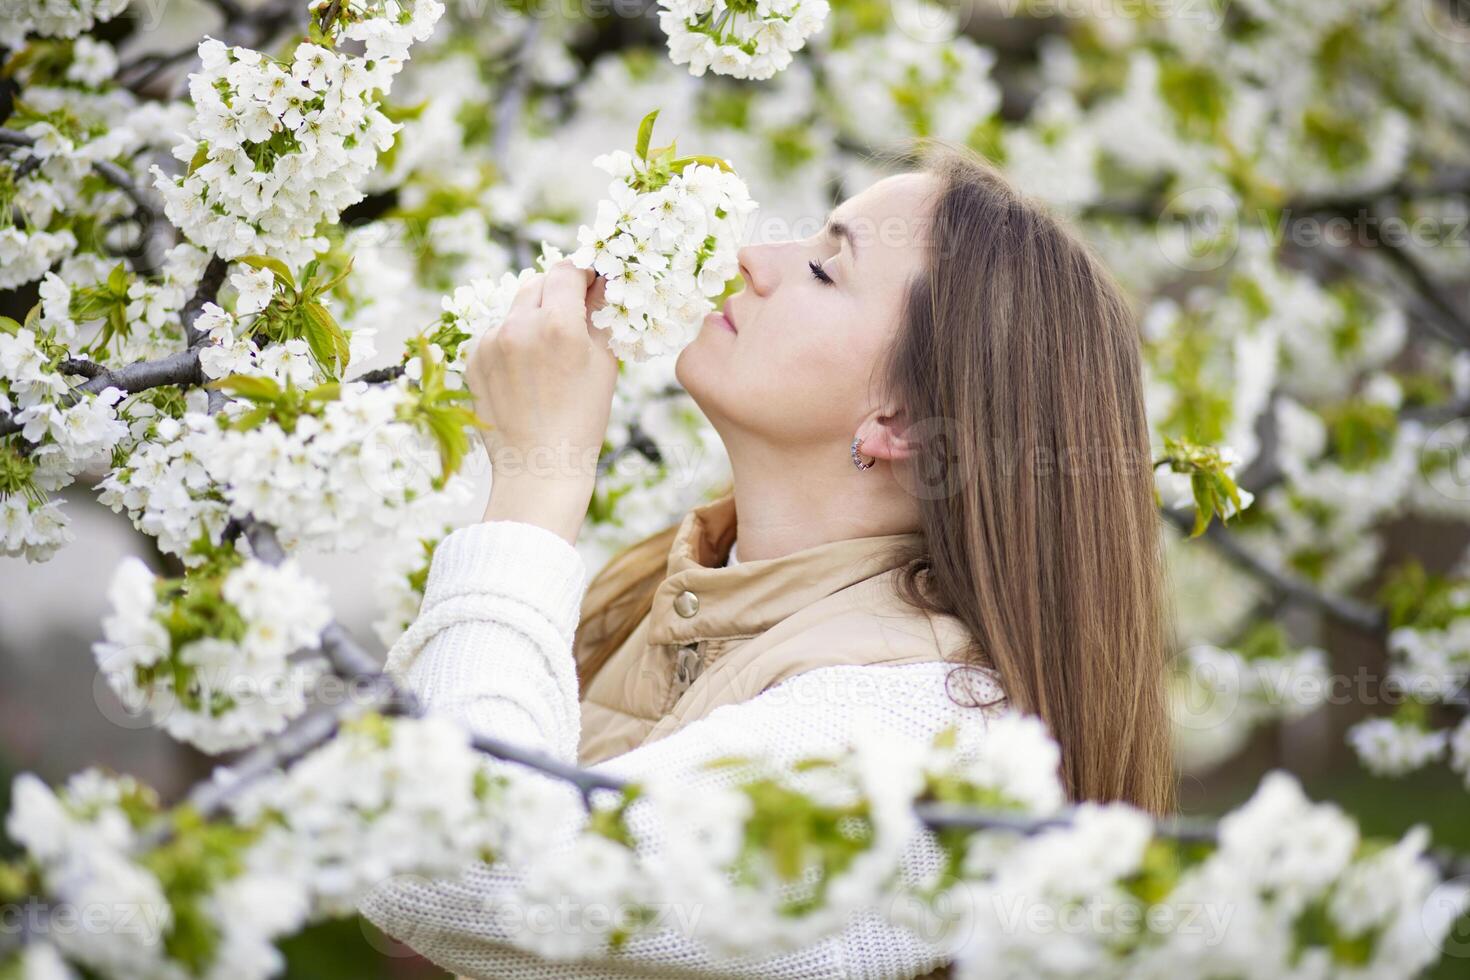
(543, 382)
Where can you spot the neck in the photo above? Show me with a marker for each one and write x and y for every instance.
(784, 502)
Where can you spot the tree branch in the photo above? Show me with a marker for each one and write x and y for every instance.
(1358, 615)
(1433, 294)
(1351, 260)
(106, 169)
(208, 292)
(380, 375)
(181, 368)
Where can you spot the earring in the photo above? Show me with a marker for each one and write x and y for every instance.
(856, 459)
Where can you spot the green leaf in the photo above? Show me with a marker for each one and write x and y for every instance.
(251, 418)
(1210, 482)
(250, 386)
(283, 274)
(708, 161)
(1204, 503)
(401, 113)
(327, 341)
(117, 279)
(448, 428)
(200, 158)
(330, 284)
(90, 304)
(645, 134)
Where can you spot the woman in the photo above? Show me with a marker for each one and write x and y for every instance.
(933, 409)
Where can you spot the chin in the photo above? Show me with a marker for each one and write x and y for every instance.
(699, 375)
(685, 368)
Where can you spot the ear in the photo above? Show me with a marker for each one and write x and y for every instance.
(883, 437)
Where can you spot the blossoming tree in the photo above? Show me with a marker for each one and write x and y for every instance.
(202, 248)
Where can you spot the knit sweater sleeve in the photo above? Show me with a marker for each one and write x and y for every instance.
(492, 648)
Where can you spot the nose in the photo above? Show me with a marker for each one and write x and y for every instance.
(757, 268)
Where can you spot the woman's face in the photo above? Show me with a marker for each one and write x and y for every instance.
(794, 367)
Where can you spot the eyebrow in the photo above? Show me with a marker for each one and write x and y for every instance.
(840, 229)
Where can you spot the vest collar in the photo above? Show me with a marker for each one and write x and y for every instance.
(754, 595)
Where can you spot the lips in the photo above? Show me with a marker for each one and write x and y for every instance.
(729, 317)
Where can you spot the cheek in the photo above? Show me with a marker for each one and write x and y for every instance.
(813, 375)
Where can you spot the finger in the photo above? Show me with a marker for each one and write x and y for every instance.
(565, 295)
(528, 297)
(597, 295)
(596, 300)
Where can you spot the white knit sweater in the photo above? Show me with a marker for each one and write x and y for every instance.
(491, 647)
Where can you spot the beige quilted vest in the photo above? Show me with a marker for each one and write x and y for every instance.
(719, 635)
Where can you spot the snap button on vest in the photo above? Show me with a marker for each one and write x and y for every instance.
(686, 604)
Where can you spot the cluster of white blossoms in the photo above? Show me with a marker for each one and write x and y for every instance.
(143, 919)
(1429, 662)
(36, 399)
(58, 210)
(666, 241)
(25, 255)
(1101, 892)
(482, 304)
(1394, 747)
(78, 842)
(210, 656)
(1433, 662)
(594, 877)
(1288, 890)
(791, 849)
(330, 473)
(1347, 467)
(739, 38)
(1082, 865)
(1374, 478)
(53, 18)
(277, 148)
(892, 83)
(1262, 676)
(1219, 696)
(1013, 760)
(94, 309)
(396, 802)
(787, 899)
(384, 798)
(163, 485)
(58, 436)
(131, 317)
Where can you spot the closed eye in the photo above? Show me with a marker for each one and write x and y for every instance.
(819, 272)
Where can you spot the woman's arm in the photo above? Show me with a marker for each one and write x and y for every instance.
(492, 648)
(491, 645)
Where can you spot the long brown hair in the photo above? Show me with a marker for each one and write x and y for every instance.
(1018, 367)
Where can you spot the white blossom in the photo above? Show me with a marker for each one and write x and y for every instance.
(1390, 748)
(740, 38)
